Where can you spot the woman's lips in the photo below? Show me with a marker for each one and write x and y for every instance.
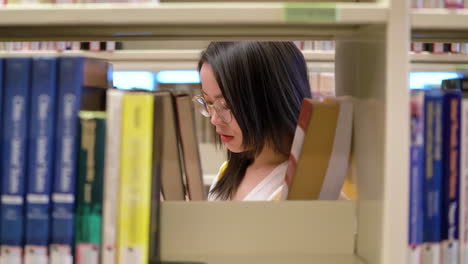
(226, 138)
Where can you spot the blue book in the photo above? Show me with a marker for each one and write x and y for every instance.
(432, 211)
(41, 150)
(70, 75)
(15, 111)
(415, 235)
(1, 95)
(451, 175)
(78, 79)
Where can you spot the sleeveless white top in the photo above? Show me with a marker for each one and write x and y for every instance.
(272, 188)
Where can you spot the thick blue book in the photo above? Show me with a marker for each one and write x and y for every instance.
(1, 100)
(415, 227)
(451, 175)
(82, 85)
(41, 150)
(15, 112)
(432, 211)
(70, 75)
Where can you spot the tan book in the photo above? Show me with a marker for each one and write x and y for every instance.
(111, 176)
(168, 158)
(189, 146)
(319, 157)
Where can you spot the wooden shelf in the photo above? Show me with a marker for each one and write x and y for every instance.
(439, 62)
(259, 232)
(186, 21)
(440, 24)
(272, 259)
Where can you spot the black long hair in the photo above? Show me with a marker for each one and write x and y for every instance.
(263, 83)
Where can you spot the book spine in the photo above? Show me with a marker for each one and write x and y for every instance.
(451, 176)
(453, 3)
(296, 148)
(1, 102)
(189, 148)
(63, 188)
(89, 188)
(14, 139)
(135, 183)
(41, 155)
(464, 182)
(156, 189)
(416, 178)
(433, 177)
(111, 176)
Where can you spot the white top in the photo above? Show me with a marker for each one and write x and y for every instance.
(272, 188)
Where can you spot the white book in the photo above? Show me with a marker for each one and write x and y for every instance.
(431, 253)
(36, 255)
(111, 176)
(463, 222)
(450, 252)
(94, 46)
(87, 253)
(60, 254)
(110, 45)
(414, 255)
(11, 255)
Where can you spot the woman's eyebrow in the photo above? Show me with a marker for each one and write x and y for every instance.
(218, 96)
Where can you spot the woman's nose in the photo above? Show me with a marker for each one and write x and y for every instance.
(214, 119)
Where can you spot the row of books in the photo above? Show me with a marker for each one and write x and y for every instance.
(451, 4)
(318, 45)
(60, 46)
(438, 222)
(439, 47)
(33, 2)
(84, 167)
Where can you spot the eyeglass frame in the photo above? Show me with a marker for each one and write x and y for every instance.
(202, 106)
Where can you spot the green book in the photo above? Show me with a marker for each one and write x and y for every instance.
(88, 219)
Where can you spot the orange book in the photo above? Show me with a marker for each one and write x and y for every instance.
(320, 153)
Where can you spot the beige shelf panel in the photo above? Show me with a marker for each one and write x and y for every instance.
(180, 21)
(440, 24)
(439, 62)
(302, 228)
(156, 60)
(274, 259)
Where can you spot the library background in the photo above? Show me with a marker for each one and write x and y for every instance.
(105, 160)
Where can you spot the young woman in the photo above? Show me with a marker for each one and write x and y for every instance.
(252, 91)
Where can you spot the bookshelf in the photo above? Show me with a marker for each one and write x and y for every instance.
(164, 59)
(317, 61)
(435, 23)
(184, 21)
(371, 38)
(333, 222)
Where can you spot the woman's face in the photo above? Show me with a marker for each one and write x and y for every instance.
(229, 132)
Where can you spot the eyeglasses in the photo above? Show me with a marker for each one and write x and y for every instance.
(206, 109)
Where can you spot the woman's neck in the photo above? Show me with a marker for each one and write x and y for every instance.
(268, 157)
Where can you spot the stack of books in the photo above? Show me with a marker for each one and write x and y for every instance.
(85, 165)
(438, 221)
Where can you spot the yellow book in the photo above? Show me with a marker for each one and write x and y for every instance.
(135, 182)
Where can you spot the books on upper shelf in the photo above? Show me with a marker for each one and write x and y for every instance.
(60, 46)
(439, 47)
(317, 45)
(449, 4)
(32, 2)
